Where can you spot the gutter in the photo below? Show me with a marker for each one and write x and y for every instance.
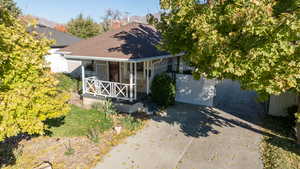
(137, 60)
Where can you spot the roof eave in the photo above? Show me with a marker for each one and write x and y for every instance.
(136, 60)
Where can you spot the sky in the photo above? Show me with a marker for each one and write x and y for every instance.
(62, 11)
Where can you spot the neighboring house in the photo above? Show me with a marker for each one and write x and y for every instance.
(57, 62)
(122, 63)
(38, 20)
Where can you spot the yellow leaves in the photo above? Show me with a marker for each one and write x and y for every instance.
(256, 2)
(28, 91)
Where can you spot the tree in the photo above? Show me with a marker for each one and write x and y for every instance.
(109, 17)
(84, 27)
(11, 6)
(60, 28)
(28, 90)
(253, 41)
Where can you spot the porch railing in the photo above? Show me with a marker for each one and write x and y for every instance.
(96, 87)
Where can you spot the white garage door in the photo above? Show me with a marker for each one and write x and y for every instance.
(199, 92)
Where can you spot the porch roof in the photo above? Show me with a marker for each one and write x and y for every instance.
(131, 42)
(134, 60)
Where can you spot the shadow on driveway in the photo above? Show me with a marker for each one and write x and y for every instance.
(197, 121)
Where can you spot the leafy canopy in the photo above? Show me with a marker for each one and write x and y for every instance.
(28, 90)
(253, 41)
(11, 6)
(84, 27)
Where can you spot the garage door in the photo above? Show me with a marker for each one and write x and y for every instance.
(199, 92)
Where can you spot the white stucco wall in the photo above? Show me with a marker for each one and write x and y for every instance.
(57, 63)
(278, 104)
(199, 92)
(74, 68)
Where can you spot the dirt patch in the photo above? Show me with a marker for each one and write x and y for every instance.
(79, 140)
(86, 153)
(75, 99)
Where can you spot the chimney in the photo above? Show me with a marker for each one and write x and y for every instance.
(116, 24)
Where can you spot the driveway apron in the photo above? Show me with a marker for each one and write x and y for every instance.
(191, 137)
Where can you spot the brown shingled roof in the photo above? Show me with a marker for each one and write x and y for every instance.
(129, 42)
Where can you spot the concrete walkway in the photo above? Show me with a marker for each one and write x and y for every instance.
(192, 137)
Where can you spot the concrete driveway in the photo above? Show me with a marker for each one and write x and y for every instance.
(193, 137)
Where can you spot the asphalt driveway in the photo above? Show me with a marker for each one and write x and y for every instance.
(193, 137)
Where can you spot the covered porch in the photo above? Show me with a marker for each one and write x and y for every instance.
(117, 80)
(123, 80)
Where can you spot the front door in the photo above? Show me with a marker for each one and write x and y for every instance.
(114, 75)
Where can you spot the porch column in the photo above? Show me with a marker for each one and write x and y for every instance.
(147, 76)
(107, 71)
(135, 81)
(83, 77)
(144, 69)
(120, 72)
(152, 71)
(131, 82)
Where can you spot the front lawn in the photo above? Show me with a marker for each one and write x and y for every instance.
(279, 149)
(79, 122)
(78, 140)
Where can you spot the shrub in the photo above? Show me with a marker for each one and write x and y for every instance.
(109, 108)
(67, 83)
(131, 123)
(93, 135)
(292, 111)
(163, 90)
(69, 150)
(297, 117)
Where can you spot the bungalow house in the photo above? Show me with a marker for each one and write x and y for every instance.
(57, 62)
(122, 63)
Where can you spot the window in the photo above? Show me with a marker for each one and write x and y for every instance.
(170, 65)
(90, 66)
(139, 67)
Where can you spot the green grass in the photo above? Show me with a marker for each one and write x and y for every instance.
(131, 123)
(279, 148)
(79, 122)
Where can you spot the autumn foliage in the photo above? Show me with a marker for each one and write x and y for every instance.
(256, 42)
(28, 90)
(61, 28)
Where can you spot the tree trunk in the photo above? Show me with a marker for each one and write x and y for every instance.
(297, 123)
